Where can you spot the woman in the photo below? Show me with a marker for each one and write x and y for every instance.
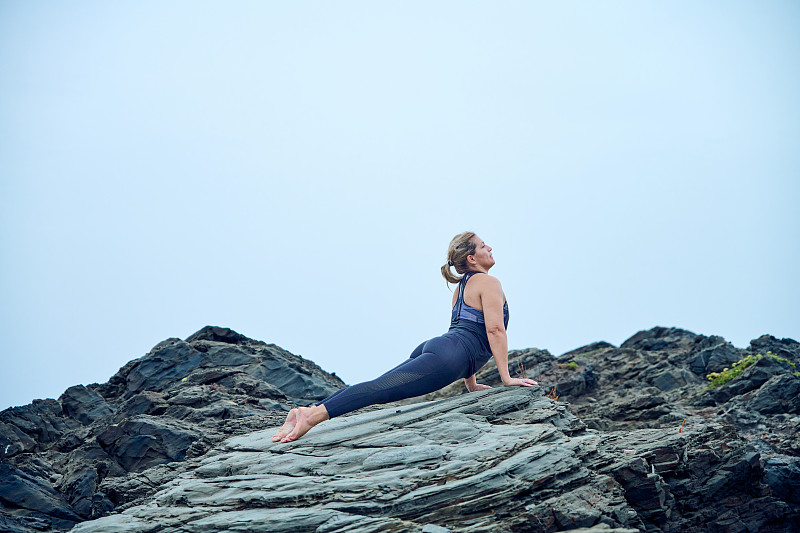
(477, 332)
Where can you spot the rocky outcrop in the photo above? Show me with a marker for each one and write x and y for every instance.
(506, 459)
(657, 379)
(71, 459)
(176, 441)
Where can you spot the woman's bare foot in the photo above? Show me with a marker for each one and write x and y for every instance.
(287, 427)
(307, 418)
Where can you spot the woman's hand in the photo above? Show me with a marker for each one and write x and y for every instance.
(527, 382)
(473, 385)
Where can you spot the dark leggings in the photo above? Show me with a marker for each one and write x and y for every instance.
(432, 365)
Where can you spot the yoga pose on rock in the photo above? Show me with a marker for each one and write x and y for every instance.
(477, 332)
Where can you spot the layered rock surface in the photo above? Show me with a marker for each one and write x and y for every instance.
(506, 459)
(176, 442)
(97, 447)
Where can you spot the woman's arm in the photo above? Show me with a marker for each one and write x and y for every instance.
(492, 298)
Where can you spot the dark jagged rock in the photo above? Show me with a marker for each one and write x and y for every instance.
(715, 356)
(781, 394)
(659, 339)
(788, 348)
(144, 441)
(782, 475)
(143, 403)
(168, 363)
(83, 471)
(67, 460)
(33, 427)
(587, 350)
(34, 496)
(84, 405)
(217, 334)
(175, 441)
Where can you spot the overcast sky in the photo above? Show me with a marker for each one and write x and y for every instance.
(296, 170)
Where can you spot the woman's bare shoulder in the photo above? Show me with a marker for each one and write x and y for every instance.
(488, 281)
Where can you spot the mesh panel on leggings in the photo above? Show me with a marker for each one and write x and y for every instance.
(392, 380)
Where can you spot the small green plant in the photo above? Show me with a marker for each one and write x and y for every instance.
(720, 378)
(781, 359)
(797, 374)
(572, 365)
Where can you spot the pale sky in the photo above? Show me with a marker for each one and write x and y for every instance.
(295, 171)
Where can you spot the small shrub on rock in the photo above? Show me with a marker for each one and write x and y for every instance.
(720, 378)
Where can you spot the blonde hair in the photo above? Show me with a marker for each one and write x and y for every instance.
(460, 247)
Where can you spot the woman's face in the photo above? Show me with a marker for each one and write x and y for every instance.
(483, 254)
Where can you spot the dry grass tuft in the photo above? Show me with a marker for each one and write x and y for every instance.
(552, 395)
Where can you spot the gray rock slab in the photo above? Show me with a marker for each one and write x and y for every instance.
(504, 459)
(436, 466)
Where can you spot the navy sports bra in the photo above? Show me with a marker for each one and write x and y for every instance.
(463, 311)
(468, 325)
